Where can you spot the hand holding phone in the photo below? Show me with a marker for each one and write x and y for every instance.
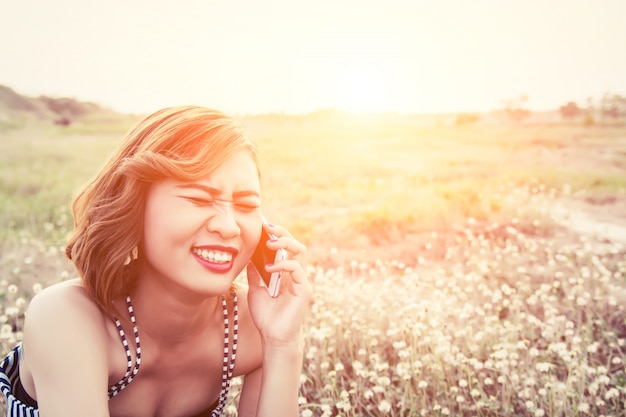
(263, 256)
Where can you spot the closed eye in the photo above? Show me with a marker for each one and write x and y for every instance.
(246, 206)
(212, 202)
(201, 201)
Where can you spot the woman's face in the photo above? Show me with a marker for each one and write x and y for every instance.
(201, 235)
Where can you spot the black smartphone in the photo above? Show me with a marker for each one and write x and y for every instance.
(263, 256)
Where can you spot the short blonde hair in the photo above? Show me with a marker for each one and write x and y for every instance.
(184, 143)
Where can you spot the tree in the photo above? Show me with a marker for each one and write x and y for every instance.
(570, 110)
(516, 109)
(613, 106)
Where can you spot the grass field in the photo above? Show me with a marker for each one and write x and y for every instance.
(453, 274)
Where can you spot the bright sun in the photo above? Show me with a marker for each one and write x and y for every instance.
(360, 87)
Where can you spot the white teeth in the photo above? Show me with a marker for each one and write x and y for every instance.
(213, 255)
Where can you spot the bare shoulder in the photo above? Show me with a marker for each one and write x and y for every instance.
(66, 300)
(64, 327)
(62, 312)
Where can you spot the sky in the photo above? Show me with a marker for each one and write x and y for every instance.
(292, 56)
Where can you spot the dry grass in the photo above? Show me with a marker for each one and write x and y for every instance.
(444, 283)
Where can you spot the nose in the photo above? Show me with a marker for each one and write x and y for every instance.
(223, 220)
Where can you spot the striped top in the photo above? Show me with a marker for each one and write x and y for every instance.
(20, 404)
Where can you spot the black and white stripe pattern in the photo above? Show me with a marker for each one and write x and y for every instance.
(229, 360)
(9, 377)
(9, 374)
(131, 371)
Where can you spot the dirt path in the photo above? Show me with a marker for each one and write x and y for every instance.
(600, 218)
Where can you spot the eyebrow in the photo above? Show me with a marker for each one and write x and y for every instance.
(217, 192)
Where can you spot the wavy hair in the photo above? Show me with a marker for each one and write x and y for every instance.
(185, 143)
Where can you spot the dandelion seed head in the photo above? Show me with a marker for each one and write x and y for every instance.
(11, 311)
(6, 331)
(384, 406)
(611, 393)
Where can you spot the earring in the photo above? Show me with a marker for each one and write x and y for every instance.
(133, 255)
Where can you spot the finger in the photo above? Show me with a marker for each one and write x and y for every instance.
(283, 239)
(290, 244)
(293, 267)
(295, 279)
(276, 230)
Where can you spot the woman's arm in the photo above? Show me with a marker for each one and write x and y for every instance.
(272, 390)
(65, 353)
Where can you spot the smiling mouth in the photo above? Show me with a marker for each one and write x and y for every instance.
(213, 256)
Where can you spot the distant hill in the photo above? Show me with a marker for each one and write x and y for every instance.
(63, 111)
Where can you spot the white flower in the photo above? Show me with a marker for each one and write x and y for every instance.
(384, 406)
(612, 393)
(6, 331)
(384, 381)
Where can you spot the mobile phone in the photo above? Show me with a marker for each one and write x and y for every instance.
(263, 256)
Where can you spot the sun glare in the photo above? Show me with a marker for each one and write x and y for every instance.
(363, 92)
(360, 87)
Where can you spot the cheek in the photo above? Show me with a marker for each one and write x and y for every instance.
(164, 225)
(250, 233)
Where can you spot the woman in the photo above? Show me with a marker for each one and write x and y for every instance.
(155, 325)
